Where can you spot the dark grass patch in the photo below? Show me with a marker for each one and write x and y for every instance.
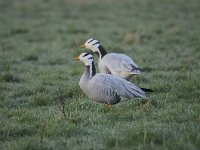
(41, 100)
(31, 57)
(56, 62)
(14, 133)
(163, 87)
(23, 93)
(18, 31)
(39, 39)
(147, 69)
(10, 78)
(74, 30)
(138, 138)
(68, 130)
(34, 145)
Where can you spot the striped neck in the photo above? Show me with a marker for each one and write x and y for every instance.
(101, 51)
(91, 69)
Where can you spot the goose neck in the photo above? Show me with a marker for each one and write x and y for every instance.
(101, 51)
(90, 70)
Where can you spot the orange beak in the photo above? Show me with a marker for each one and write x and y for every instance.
(82, 46)
(76, 58)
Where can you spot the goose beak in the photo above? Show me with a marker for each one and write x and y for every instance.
(82, 46)
(77, 58)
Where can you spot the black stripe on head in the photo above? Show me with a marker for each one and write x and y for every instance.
(91, 58)
(90, 40)
(86, 54)
(96, 43)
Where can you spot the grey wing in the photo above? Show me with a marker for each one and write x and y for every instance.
(106, 69)
(130, 68)
(103, 90)
(121, 62)
(121, 87)
(109, 94)
(103, 68)
(132, 91)
(127, 63)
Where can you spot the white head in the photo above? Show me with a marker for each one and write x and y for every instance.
(86, 58)
(91, 44)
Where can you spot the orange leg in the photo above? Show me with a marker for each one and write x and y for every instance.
(109, 107)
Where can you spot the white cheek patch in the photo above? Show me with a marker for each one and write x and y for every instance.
(91, 72)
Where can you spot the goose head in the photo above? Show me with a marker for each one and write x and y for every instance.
(86, 58)
(91, 44)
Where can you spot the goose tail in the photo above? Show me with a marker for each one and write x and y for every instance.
(147, 90)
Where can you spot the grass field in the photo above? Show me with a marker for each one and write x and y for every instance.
(38, 40)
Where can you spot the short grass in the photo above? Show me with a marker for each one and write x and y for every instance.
(38, 40)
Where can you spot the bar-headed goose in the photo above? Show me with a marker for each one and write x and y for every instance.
(112, 63)
(106, 88)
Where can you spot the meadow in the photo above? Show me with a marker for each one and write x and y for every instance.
(41, 104)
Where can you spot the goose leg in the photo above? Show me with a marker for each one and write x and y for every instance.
(109, 107)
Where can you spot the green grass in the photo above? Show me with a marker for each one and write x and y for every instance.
(38, 40)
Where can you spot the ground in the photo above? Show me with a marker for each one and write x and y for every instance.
(38, 77)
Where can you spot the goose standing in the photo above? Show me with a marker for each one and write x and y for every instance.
(105, 88)
(112, 63)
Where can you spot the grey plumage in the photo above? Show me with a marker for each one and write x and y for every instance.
(105, 88)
